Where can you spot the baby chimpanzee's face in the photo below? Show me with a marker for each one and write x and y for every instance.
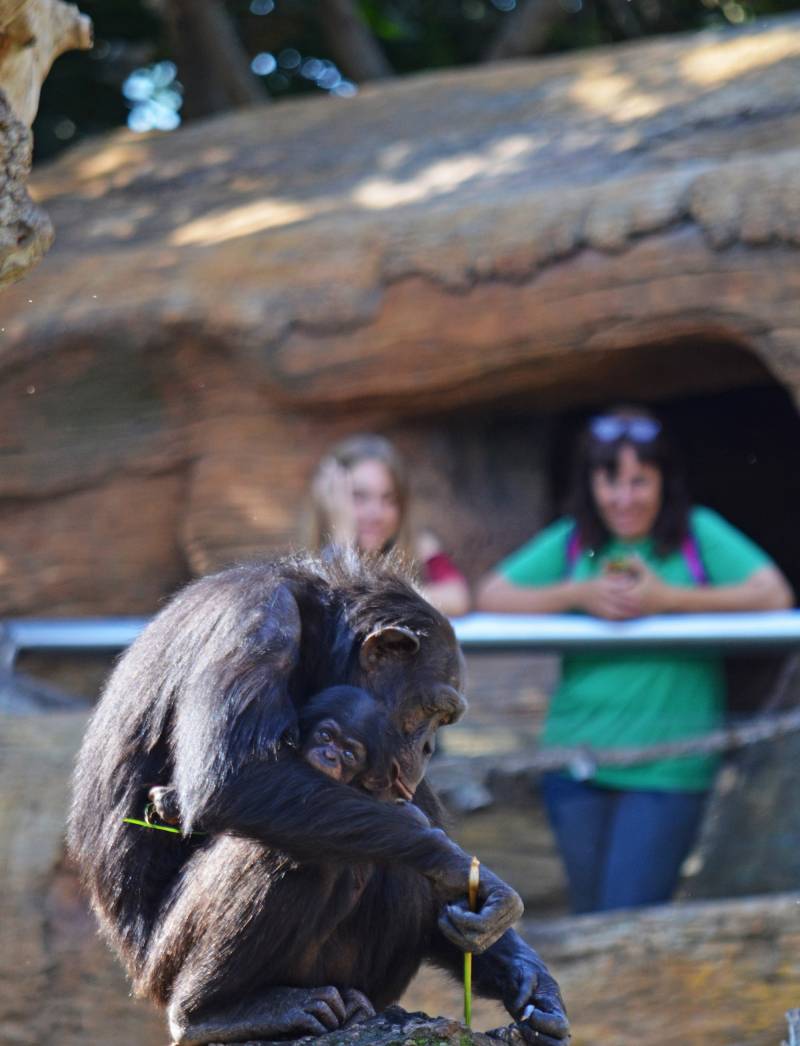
(335, 752)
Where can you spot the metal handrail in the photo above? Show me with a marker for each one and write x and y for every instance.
(70, 634)
(475, 632)
(578, 632)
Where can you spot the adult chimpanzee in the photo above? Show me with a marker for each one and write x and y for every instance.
(344, 733)
(307, 903)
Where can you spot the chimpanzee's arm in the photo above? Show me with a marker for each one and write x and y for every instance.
(512, 972)
(292, 807)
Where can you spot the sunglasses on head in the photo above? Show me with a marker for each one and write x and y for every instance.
(608, 428)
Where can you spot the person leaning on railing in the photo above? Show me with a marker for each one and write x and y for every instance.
(360, 497)
(632, 546)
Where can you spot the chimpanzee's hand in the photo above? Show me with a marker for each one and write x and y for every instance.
(533, 998)
(499, 907)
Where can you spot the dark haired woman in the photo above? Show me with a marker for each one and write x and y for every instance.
(632, 546)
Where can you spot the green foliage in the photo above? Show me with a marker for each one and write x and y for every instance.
(83, 96)
(83, 93)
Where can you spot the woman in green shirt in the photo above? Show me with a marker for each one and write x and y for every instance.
(632, 546)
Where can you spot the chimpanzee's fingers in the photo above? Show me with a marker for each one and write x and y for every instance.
(457, 930)
(327, 1006)
(477, 931)
(527, 980)
(537, 1022)
(307, 1024)
(543, 1008)
(321, 1013)
(358, 1007)
(522, 1035)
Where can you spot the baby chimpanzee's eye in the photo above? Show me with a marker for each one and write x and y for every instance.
(324, 735)
(349, 757)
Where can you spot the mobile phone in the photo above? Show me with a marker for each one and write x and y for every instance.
(619, 565)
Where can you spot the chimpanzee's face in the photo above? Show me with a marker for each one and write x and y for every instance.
(336, 752)
(419, 677)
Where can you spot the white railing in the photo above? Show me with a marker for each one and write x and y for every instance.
(560, 632)
(476, 632)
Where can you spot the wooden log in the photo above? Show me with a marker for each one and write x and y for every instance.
(714, 972)
(58, 981)
(227, 299)
(33, 33)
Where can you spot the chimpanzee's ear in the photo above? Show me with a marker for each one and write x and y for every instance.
(392, 642)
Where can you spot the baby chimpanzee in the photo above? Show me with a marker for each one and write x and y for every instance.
(344, 733)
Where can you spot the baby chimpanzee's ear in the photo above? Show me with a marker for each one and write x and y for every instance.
(392, 642)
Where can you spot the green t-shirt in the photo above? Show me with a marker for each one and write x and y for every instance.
(639, 698)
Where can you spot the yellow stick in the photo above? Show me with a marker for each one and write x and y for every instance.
(474, 880)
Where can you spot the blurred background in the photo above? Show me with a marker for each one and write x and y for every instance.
(466, 225)
(158, 63)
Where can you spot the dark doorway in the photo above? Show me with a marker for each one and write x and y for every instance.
(739, 448)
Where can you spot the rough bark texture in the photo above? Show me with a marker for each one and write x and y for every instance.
(33, 33)
(721, 972)
(751, 836)
(527, 237)
(57, 980)
(395, 1026)
(25, 230)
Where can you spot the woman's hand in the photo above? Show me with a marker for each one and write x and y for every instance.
(608, 597)
(333, 489)
(635, 591)
(647, 593)
(622, 594)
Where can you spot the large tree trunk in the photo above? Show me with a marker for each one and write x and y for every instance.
(33, 33)
(357, 52)
(526, 29)
(263, 284)
(213, 65)
(715, 973)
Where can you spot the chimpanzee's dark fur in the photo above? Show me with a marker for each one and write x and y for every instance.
(349, 716)
(301, 883)
(357, 715)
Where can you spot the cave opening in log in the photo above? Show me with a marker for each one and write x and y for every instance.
(487, 476)
(737, 435)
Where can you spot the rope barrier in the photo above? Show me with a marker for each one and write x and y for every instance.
(582, 760)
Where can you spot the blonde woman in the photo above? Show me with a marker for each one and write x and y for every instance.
(360, 497)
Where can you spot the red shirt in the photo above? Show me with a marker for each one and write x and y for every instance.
(440, 567)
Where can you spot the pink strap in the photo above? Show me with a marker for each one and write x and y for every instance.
(691, 553)
(573, 549)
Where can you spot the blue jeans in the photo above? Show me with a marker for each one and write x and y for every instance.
(620, 848)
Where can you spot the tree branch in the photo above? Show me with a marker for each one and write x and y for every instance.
(354, 48)
(213, 66)
(625, 17)
(525, 30)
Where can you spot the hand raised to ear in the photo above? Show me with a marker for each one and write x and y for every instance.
(332, 490)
